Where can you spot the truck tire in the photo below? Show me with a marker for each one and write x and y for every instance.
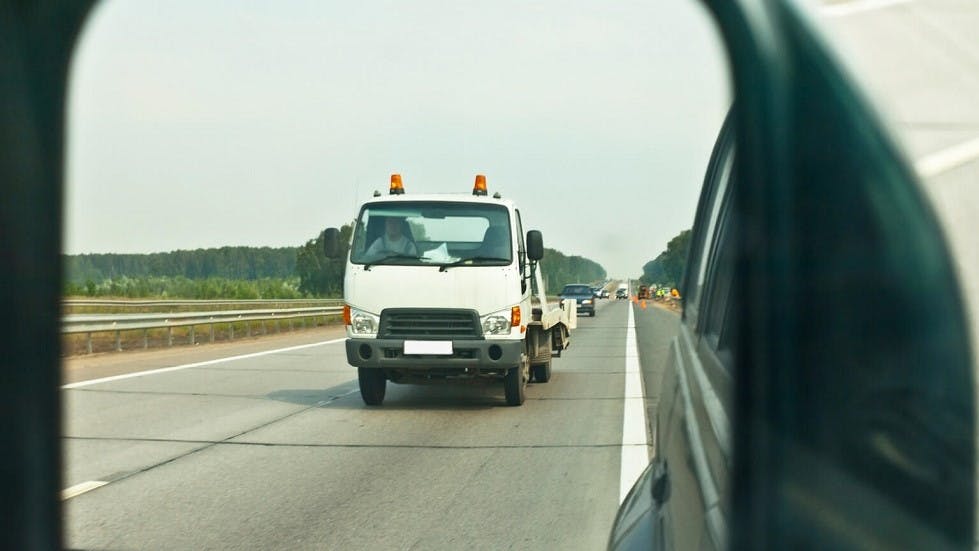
(515, 383)
(373, 383)
(541, 369)
(591, 314)
(542, 372)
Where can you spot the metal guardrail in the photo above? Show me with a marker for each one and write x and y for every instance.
(72, 324)
(117, 323)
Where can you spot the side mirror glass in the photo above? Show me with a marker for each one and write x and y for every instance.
(331, 242)
(535, 245)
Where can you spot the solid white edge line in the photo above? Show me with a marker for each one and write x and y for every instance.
(947, 159)
(857, 6)
(79, 489)
(81, 384)
(635, 443)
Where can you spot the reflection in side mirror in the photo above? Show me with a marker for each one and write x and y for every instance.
(535, 245)
(331, 242)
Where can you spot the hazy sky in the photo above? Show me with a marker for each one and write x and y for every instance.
(197, 124)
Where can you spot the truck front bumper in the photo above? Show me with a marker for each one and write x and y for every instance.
(466, 354)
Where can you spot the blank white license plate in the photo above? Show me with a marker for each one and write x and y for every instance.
(443, 348)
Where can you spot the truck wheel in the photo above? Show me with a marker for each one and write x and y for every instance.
(591, 314)
(373, 383)
(542, 370)
(515, 384)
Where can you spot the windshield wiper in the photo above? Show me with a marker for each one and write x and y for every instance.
(444, 267)
(367, 265)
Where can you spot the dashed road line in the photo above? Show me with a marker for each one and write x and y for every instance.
(843, 9)
(936, 163)
(81, 488)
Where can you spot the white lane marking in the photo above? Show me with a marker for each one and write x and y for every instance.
(79, 489)
(635, 444)
(843, 9)
(196, 364)
(947, 159)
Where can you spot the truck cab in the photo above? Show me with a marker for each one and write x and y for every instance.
(443, 287)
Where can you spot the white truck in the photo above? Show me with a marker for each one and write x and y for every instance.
(444, 287)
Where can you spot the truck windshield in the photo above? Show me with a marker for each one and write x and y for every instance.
(432, 233)
(577, 290)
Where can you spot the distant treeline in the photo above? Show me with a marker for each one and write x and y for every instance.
(184, 288)
(235, 263)
(667, 267)
(560, 269)
(252, 272)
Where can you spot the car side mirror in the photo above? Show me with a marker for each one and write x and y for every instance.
(535, 245)
(331, 242)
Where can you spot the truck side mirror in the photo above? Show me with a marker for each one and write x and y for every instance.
(535, 245)
(331, 242)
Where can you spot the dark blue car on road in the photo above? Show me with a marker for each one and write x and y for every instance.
(583, 295)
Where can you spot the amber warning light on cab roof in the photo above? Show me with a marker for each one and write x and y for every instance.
(397, 188)
(479, 188)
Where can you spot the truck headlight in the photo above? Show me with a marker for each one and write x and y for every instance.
(497, 323)
(363, 323)
(586, 301)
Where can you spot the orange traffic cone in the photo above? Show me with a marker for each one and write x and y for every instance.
(644, 305)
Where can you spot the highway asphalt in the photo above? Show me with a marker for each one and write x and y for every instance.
(277, 450)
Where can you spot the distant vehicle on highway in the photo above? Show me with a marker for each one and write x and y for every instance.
(603, 293)
(621, 293)
(583, 295)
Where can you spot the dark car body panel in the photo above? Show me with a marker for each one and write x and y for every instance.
(833, 409)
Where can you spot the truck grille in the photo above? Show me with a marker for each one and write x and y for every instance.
(429, 324)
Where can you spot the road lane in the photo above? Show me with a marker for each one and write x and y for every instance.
(279, 451)
(655, 329)
(205, 363)
(92, 366)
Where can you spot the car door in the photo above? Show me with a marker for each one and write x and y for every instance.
(851, 400)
